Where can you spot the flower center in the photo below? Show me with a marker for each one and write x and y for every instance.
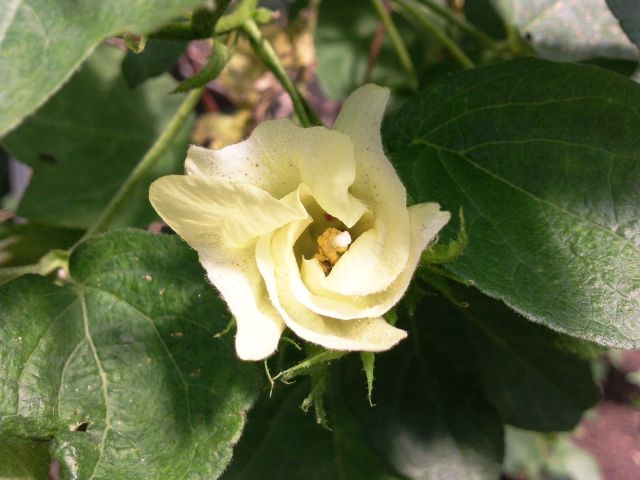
(332, 243)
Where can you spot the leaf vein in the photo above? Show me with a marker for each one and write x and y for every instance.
(503, 180)
(104, 380)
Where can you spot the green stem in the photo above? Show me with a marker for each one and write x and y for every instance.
(267, 54)
(247, 10)
(204, 20)
(314, 359)
(397, 42)
(462, 24)
(9, 273)
(238, 17)
(48, 263)
(414, 13)
(515, 43)
(146, 164)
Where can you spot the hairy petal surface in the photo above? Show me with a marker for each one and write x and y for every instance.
(279, 156)
(219, 218)
(378, 255)
(277, 264)
(426, 220)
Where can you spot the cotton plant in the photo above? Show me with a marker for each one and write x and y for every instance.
(449, 261)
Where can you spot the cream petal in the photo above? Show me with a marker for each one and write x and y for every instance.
(203, 208)
(279, 156)
(200, 210)
(426, 221)
(236, 276)
(364, 334)
(360, 118)
(376, 258)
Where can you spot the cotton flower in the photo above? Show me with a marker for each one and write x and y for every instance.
(305, 228)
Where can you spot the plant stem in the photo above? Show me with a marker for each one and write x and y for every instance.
(267, 54)
(396, 40)
(204, 20)
(303, 367)
(414, 13)
(146, 164)
(185, 30)
(462, 24)
(238, 17)
(48, 263)
(9, 273)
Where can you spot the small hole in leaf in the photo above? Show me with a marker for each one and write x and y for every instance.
(47, 158)
(528, 36)
(81, 427)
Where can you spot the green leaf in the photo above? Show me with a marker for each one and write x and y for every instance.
(429, 420)
(86, 140)
(568, 30)
(544, 159)
(368, 360)
(23, 460)
(483, 15)
(319, 377)
(120, 369)
(282, 443)
(43, 41)
(626, 11)
(156, 58)
(521, 368)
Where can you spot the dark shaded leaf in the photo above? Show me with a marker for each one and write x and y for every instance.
(523, 369)
(282, 443)
(156, 58)
(89, 138)
(25, 244)
(429, 420)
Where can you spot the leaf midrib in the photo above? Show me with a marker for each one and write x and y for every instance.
(103, 378)
(151, 322)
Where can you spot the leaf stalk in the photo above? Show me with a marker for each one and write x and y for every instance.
(396, 40)
(267, 54)
(413, 12)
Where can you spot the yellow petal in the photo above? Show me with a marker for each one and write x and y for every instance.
(366, 334)
(238, 280)
(426, 220)
(221, 221)
(378, 255)
(279, 156)
(208, 210)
